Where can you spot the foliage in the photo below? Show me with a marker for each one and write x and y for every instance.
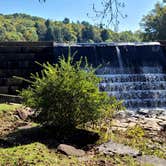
(66, 95)
(135, 132)
(22, 27)
(154, 23)
(103, 125)
(142, 140)
(31, 154)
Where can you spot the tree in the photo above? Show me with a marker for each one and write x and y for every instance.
(88, 33)
(41, 30)
(154, 24)
(30, 34)
(105, 35)
(2, 33)
(67, 36)
(129, 36)
(49, 35)
(66, 21)
(58, 34)
(67, 95)
(13, 36)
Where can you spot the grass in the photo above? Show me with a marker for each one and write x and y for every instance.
(33, 154)
(38, 153)
(8, 107)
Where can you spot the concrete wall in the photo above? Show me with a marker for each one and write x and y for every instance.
(18, 59)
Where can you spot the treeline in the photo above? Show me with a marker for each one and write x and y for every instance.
(22, 27)
(154, 23)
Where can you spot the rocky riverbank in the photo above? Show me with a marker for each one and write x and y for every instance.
(152, 120)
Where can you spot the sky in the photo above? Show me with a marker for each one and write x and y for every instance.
(77, 10)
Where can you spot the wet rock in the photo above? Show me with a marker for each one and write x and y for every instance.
(124, 114)
(70, 150)
(151, 160)
(143, 111)
(111, 148)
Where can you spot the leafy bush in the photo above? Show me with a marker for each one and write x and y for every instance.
(66, 94)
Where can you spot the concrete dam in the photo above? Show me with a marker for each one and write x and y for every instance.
(133, 72)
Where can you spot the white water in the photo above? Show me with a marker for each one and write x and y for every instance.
(145, 90)
(119, 59)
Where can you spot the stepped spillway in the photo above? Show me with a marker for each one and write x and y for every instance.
(137, 90)
(141, 84)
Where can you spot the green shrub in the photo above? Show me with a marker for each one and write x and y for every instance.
(66, 94)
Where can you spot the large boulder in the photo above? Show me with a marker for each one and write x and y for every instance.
(70, 150)
(111, 148)
(151, 160)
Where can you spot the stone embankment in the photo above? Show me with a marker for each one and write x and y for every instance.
(152, 120)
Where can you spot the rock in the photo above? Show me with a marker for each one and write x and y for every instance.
(151, 160)
(111, 148)
(120, 123)
(132, 124)
(132, 119)
(24, 113)
(124, 114)
(143, 111)
(163, 125)
(70, 150)
(161, 117)
(150, 124)
(118, 129)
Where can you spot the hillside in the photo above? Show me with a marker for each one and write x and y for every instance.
(22, 27)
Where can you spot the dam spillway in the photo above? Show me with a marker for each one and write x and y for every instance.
(133, 72)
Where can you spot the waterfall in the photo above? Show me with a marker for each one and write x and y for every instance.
(132, 72)
(119, 59)
(142, 82)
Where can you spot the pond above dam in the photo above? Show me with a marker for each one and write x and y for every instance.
(133, 72)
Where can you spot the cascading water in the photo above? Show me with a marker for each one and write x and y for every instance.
(119, 58)
(133, 72)
(140, 86)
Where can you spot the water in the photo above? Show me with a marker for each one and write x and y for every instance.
(137, 90)
(119, 59)
(139, 86)
(133, 72)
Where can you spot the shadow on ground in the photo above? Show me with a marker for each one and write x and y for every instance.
(79, 138)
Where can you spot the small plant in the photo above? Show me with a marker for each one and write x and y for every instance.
(66, 94)
(103, 125)
(135, 132)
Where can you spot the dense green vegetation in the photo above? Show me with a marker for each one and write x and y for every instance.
(22, 27)
(66, 95)
(154, 23)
